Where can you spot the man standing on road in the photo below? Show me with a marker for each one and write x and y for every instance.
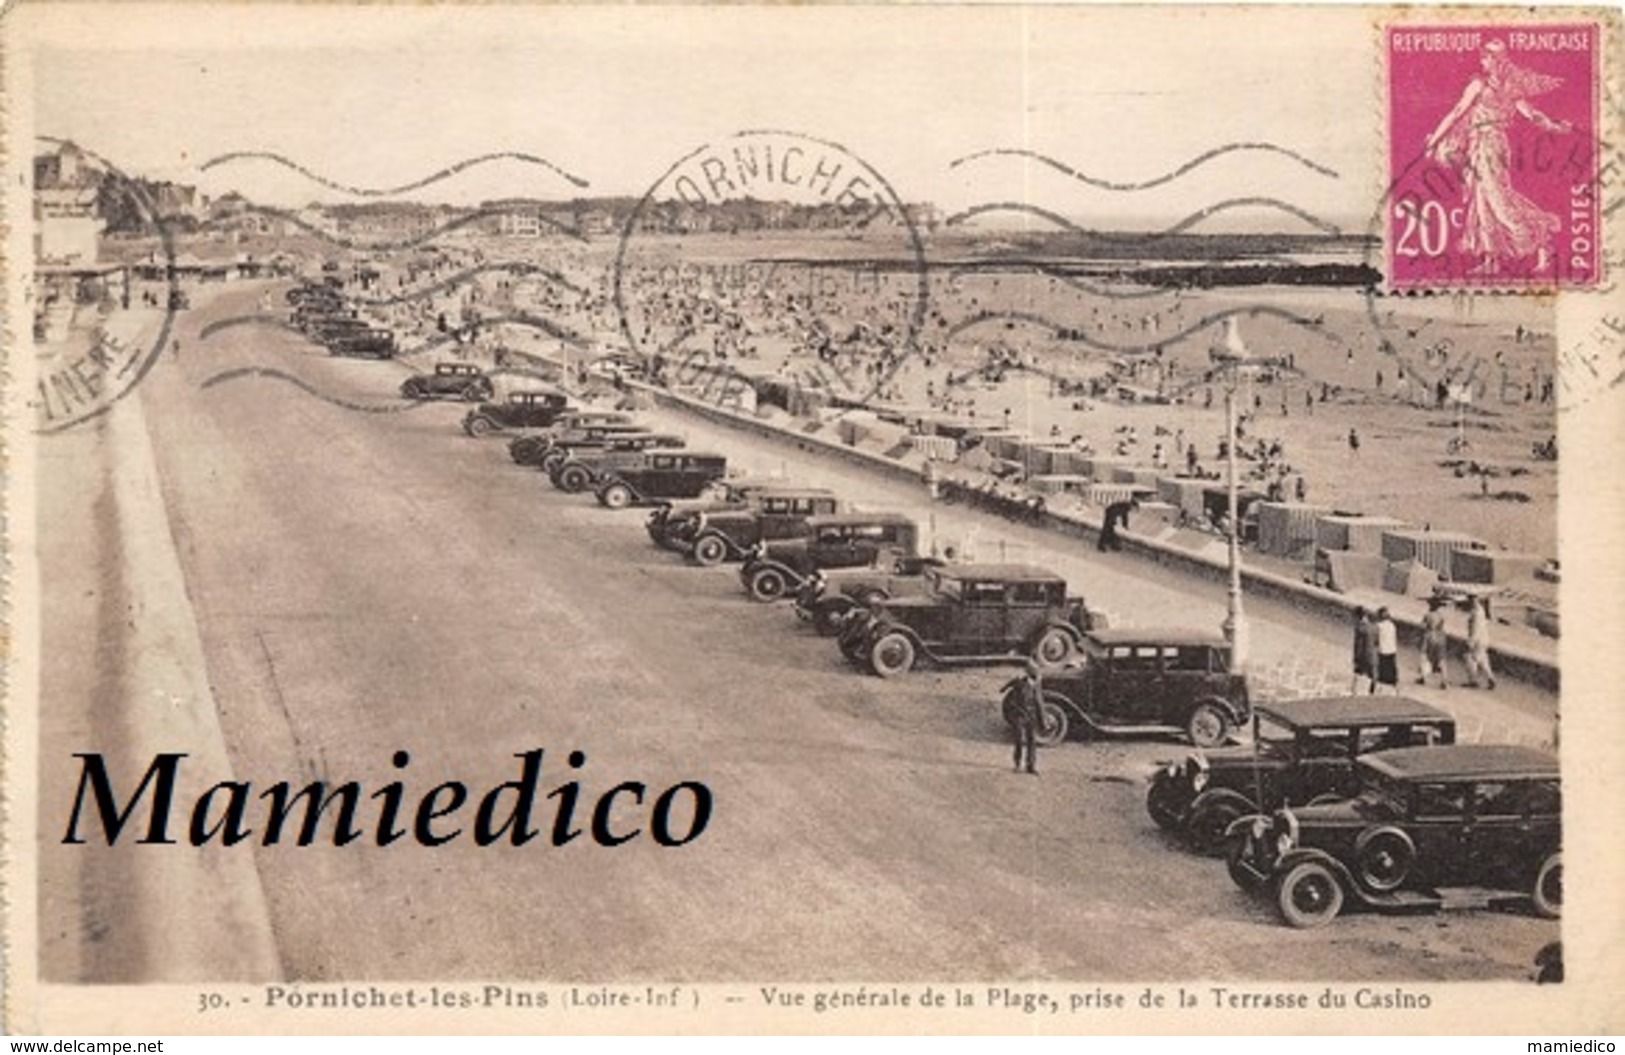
(1433, 643)
(1478, 644)
(1365, 653)
(1387, 652)
(1116, 517)
(1028, 699)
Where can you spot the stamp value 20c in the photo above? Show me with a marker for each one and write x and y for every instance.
(1494, 155)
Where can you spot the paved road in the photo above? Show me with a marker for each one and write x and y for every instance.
(370, 583)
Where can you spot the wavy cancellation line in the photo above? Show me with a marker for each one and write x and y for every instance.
(241, 373)
(1313, 326)
(1083, 285)
(470, 217)
(536, 322)
(517, 267)
(1145, 238)
(384, 192)
(1168, 177)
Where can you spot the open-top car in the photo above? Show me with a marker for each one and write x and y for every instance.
(530, 409)
(1467, 825)
(826, 598)
(584, 444)
(970, 615)
(454, 380)
(661, 476)
(530, 448)
(1156, 681)
(844, 540)
(672, 524)
(549, 447)
(773, 514)
(1303, 752)
(583, 468)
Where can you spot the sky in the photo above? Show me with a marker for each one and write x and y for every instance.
(377, 97)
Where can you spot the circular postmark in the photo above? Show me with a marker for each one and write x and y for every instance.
(774, 263)
(85, 368)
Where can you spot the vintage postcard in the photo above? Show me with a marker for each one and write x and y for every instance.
(565, 519)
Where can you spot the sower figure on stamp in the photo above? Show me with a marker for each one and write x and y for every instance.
(1027, 713)
(1500, 224)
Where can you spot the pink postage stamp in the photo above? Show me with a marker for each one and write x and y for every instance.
(1493, 156)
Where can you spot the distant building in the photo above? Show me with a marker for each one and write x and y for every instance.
(66, 225)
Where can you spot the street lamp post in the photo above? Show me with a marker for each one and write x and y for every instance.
(1231, 357)
(1235, 620)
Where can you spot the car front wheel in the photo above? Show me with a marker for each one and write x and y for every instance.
(827, 616)
(616, 496)
(1547, 893)
(891, 655)
(767, 584)
(1209, 726)
(413, 389)
(1054, 647)
(475, 393)
(1209, 822)
(1309, 895)
(479, 427)
(710, 551)
(573, 479)
(1165, 802)
(1053, 724)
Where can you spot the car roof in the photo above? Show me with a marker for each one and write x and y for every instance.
(1352, 710)
(833, 519)
(1463, 762)
(1155, 635)
(998, 571)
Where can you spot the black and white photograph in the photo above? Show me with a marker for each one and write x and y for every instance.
(818, 519)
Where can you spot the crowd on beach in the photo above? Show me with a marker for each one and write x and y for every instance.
(1117, 371)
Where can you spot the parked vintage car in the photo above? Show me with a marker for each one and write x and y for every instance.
(1153, 681)
(1303, 752)
(1468, 825)
(367, 343)
(325, 328)
(529, 448)
(530, 409)
(827, 597)
(456, 380)
(660, 476)
(584, 468)
(844, 540)
(671, 525)
(547, 448)
(585, 443)
(780, 513)
(970, 615)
